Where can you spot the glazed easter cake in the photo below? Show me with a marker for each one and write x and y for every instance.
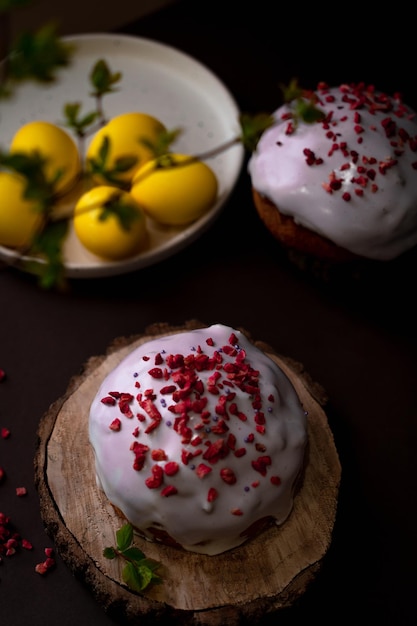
(343, 187)
(199, 439)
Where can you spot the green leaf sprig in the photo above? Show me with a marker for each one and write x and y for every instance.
(125, 212)
(73, 120)
(35, 56)
(139, 571)
(103, 82)
(303, 104)
(101, 168)
(48, 244)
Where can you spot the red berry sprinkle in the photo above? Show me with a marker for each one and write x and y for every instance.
(155, 481)
(228, 476)
(171, 468)
(261, 464)
(359, 98)
(10, 546)
(158, 455)
(236, 512)
(46, 565)
(212, 494)
(108, 400)
(203, 470)
(11, 542)
(155, 372)
(169, 490)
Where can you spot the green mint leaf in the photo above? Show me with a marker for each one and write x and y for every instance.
(303, 104)
(136, 578)
(124, 163)
(163, 143)
(125, 212)
(31, 167)
(252, 128)
(139, 572)
(102, 79)
(292, 91)
(124, 537)
(133, 554)
(104, 150)
(77, 123)
(71, 111)
(38, 55)
(152, 565)
(99, 166)
(147, 575)
(49, 240)
(109, 553)
(308, 111)
(48, 245)
(88, 119)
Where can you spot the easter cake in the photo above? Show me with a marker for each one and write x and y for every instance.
(199, 439)
(343, 187)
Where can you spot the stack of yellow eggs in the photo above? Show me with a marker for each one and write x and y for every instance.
(174, 195)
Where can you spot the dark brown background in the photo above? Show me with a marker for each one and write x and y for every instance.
(358, 339)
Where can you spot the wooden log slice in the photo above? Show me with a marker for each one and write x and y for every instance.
(264, 575)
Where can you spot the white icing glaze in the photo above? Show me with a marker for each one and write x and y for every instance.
(372, 214)
(193, 519)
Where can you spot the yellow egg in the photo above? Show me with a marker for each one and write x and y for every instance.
(107, 238)
(55, 145)
(126, 133)
(175, 195)
(19, 218)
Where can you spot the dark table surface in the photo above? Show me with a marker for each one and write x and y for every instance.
(357, 338)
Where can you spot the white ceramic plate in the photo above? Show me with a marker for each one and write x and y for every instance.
(156, 79)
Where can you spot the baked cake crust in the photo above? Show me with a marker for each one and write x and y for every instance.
(295, 236)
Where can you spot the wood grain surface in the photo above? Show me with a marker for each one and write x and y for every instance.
(265, 574)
